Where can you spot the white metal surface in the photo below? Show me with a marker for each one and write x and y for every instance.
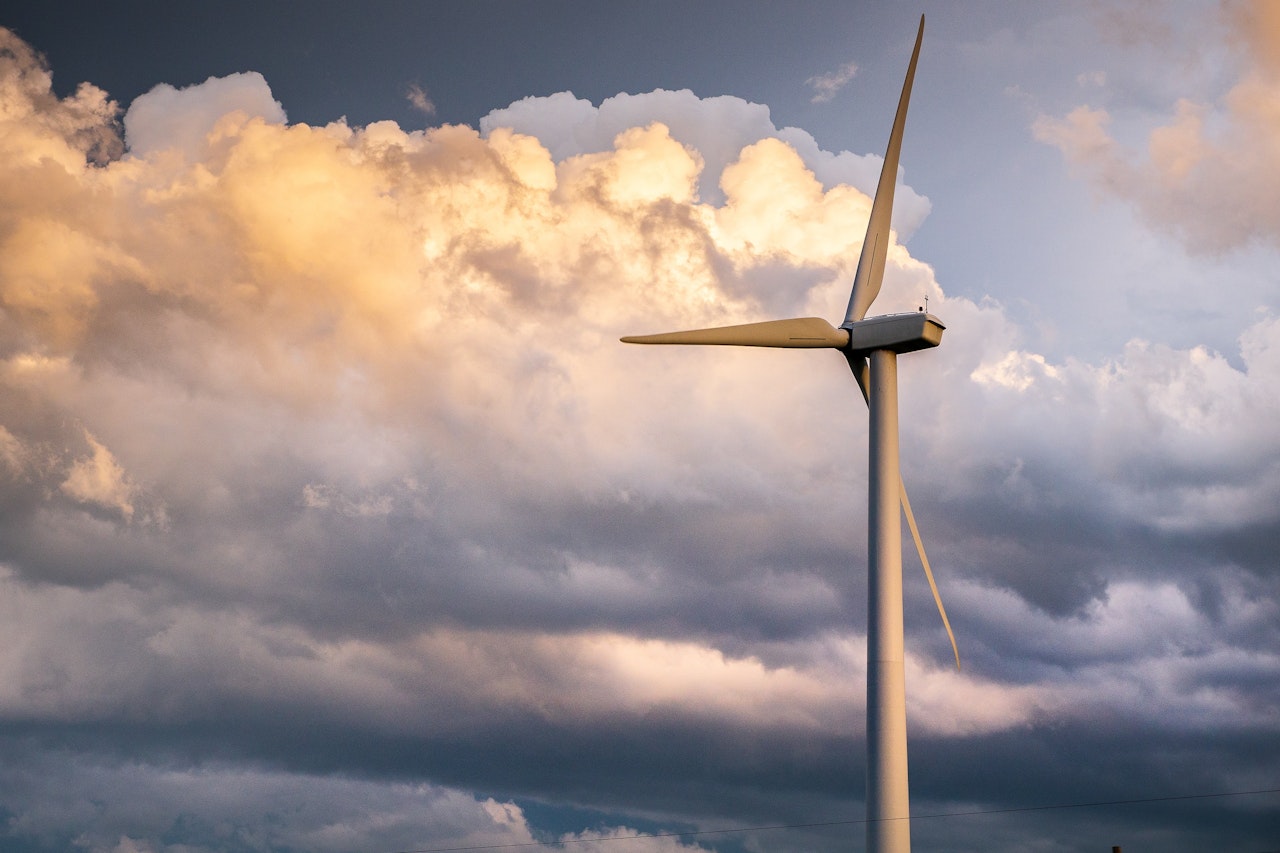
(875, 246)
(898, 332)
(888, 801)
(800, 333)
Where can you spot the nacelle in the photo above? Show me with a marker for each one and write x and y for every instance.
(897, 332)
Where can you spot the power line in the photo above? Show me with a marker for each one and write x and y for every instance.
(700, 832)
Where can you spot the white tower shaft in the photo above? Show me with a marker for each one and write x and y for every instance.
(888, 804)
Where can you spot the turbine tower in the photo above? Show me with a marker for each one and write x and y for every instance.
(879, 341)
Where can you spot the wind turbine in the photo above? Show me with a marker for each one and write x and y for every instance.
(878, 340)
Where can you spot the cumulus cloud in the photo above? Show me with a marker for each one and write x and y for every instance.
(38, 125)
(182, 119)
(319, 451)
(718, 128)
(1209, 173)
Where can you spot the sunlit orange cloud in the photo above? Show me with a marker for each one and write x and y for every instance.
(393, 313)
(429, 279)
(1210, 174)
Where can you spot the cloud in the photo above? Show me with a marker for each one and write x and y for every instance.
(827, 86)
(718, 128)
(99, 479)
(182, 119)
(320, 457)
(37, 125)
(155, 808)
(1208, 174)
(422, 102)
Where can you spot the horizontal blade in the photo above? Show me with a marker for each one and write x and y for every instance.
(858, 364)
(798, 333)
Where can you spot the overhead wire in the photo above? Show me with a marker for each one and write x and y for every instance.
(767, 827)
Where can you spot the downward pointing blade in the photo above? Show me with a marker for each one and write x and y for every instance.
(798, 333)
(858, 365)
(928, 572)
(875, 246)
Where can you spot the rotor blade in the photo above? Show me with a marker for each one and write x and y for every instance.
(858, 364)
(798, 333)
(928, 572)
(875, 246)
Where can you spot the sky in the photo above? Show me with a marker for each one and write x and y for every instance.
(334, 516)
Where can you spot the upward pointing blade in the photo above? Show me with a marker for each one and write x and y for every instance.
(875, 246)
